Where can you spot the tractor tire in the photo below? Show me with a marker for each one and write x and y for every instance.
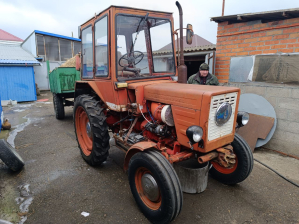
(155, 187)
(91, 130)
(58, 106)
(242, 168)
(10, 157)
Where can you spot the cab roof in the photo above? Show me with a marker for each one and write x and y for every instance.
(125, 7)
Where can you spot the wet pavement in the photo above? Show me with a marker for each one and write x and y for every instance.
(56, 185)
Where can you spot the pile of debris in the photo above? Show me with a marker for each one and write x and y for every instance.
(70, 63)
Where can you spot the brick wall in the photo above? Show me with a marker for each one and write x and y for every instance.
(253, 38)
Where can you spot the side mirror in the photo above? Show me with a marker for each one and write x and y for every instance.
(189, 34)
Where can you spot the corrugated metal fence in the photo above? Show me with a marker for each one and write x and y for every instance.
(17, 83)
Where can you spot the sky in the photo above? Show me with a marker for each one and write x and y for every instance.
(22, 17)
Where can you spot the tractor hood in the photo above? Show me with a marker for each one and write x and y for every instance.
(183, 95)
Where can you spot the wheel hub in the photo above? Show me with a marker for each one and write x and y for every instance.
(88, 130)
(150, 187)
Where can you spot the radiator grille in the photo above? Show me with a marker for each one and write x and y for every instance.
(215, 131)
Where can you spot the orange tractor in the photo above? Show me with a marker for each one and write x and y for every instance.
(139, 94)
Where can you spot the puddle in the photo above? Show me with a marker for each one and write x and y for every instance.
(24, 202)
(19, 110)
(23, 105)
(19, 128)
(4, 222)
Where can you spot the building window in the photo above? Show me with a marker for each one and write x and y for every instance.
(77, 47)
(52, 48)
(65, 49)
(40, 45)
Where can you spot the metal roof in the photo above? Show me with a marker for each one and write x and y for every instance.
(15, 54)
(197, 41)
(266, 16)
(190, 49)
(8, 36)
(56, 35)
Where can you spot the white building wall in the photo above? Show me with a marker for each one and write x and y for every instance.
(29, 44)
(41, 76)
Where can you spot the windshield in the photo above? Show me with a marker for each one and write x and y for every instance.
(140, 39)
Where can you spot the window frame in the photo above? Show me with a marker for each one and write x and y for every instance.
(94, 45)
(91, 25)
(151, 76)
(171, 43)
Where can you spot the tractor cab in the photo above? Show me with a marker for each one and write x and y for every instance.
(124, 44)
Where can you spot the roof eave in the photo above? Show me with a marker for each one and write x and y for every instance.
(275, 14)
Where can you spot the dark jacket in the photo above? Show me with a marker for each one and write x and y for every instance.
(196, 79)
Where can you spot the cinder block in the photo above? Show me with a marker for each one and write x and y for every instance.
(295, 93)
(283, 146)
(293, 116)
(288, 103)
(256, 89)
(282, 125)
(281, 113)
(279, 92)
(286, 136)
(294, 127)
(288, 126)
(272, 100)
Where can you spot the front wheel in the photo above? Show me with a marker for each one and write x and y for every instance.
(155, 187)
(242, 168)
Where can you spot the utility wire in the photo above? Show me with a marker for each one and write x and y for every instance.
(277, 173)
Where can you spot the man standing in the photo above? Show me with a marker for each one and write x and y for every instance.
(203, 77)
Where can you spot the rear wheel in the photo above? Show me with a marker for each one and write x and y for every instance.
(155, 186)
(58, 106)
(91, 129)
(242, 168)
(10, 157)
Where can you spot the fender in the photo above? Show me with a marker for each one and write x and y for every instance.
(84, 86)
(138, 147)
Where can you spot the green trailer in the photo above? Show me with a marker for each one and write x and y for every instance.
(62, 85)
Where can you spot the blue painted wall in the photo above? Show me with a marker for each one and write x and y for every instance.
(17, 83)
(1, 114)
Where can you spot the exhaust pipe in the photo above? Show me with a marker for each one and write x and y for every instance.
(182, 69)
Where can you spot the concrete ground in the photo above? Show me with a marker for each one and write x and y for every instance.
(56, 185)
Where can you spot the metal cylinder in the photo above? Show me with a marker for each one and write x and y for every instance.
(182, 69)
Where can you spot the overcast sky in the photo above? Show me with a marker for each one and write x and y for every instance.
(21, 17)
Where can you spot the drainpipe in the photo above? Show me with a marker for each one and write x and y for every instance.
(182, 69)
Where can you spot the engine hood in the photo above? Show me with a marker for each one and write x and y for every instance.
(184, 95)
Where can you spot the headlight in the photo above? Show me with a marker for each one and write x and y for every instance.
(223, 113)
(194, 133)
(242, 118)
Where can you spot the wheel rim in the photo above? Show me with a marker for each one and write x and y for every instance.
(83, 129)
(224, 170)
(147, 188)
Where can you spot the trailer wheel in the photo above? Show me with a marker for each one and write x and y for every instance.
(58, 106)
(91, 130)
(155, 187)
(242, 167)
(10, 157)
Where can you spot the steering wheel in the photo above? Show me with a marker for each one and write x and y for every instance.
(132, 59)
